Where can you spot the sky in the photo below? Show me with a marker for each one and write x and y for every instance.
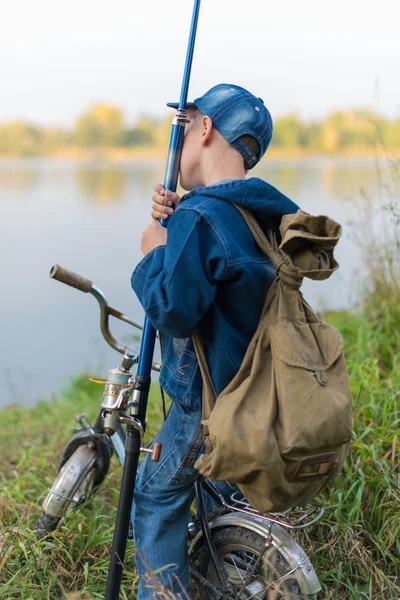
(310, 57)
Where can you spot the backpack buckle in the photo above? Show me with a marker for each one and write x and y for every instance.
(314, 467)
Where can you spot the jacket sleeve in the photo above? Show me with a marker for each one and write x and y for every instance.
(176, 283)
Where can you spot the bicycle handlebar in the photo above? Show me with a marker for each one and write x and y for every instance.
(76, 281)
(85, 285)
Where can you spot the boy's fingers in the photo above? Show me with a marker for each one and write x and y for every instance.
(172, 197)
(156, 215)
(164, 202)
(161, 212)
(163, 196)
(161, 200)
(158, 188)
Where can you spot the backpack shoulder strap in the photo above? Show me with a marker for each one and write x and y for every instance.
(270, 248)
(267, 243)
(209, 394)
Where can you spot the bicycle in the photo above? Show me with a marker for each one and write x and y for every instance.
(234, 551)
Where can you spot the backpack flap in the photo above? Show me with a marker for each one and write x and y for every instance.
(308, 242)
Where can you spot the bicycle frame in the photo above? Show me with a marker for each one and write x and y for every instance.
(119, 387)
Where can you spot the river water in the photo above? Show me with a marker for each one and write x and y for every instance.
(88, 217)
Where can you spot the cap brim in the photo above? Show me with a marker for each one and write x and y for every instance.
(176, 105)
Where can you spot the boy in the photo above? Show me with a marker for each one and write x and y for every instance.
(206, 269)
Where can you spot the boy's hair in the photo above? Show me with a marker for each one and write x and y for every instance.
(195, 115)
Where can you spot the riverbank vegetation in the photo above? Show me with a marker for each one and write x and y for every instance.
(104, 130)
(355, 548)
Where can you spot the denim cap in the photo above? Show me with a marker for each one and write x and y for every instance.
(236, 112)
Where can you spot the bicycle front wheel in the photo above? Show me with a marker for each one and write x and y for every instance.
(83, 467)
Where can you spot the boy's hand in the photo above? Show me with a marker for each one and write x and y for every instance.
(164, 202)
(154, 235)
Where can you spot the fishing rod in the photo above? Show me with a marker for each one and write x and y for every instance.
(136, 420)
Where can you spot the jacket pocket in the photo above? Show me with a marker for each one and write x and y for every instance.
(179, 368)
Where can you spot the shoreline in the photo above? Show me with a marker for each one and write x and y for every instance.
(138, 155)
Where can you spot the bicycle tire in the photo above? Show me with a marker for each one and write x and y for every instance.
(103, 447)
(79, 491)
(239, 548)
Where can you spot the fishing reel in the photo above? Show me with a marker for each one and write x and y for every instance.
(119, 397)
(118, 388)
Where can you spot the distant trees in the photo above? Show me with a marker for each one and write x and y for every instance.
(104, 126)
(22, 139)
(53, 138)
(341, 130)
(355, 128)
(289, 132)
(19, 138)
(392, 134)
(329, 138)
(140, 135)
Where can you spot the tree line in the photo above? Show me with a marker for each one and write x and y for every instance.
(104, 126)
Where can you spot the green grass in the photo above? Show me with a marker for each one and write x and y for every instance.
(355, 548)
(75, 558)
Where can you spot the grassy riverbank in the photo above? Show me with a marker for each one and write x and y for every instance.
(355, 549)
(75, 558)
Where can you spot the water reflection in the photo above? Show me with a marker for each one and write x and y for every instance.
(64, 220)
(19, 181)
(145, 176)
(348, 183)
(106, 185)
(340, 179)
(284, 177)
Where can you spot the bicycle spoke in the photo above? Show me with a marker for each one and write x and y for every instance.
(236, 567)
(247, 581)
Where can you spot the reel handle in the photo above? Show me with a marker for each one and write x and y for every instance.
(155, 451)
(155, 455)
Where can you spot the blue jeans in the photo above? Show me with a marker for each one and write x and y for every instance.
(164, 492)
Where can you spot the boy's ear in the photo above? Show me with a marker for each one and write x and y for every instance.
(206, 129)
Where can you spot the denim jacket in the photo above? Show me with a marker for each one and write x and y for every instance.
(210, 272)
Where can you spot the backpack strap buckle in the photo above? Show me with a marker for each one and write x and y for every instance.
(314, 467)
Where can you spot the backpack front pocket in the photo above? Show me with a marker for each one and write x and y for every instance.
(311, 385)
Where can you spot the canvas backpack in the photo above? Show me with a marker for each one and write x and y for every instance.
(282, 427)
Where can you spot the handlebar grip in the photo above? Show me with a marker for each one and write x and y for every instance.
(70, 278)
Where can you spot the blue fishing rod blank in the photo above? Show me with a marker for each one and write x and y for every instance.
(143, 376)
